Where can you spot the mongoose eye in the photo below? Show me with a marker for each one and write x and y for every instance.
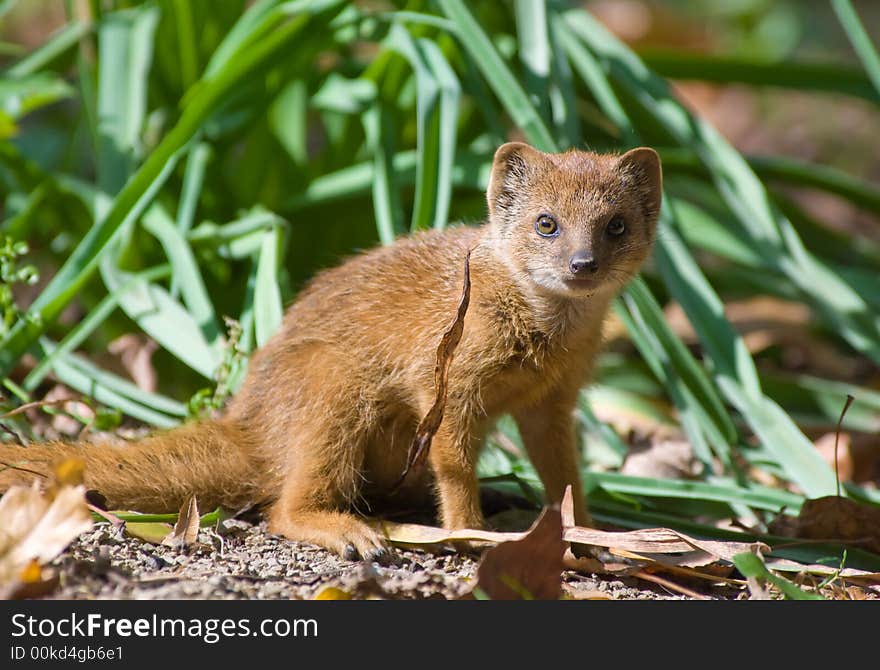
(546, 226)
(616, 226)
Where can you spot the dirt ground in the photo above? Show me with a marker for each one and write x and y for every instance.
(241, 560)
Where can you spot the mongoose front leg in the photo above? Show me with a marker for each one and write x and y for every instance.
(453, 458)
(547, 430)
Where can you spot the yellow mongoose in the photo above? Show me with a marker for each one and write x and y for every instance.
(330, 404)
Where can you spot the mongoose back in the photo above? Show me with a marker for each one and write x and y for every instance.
(330, 404)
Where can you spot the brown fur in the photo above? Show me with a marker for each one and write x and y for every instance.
(331, 402)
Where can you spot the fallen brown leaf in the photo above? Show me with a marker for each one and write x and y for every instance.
(186, 530)
(430, 423)
(578, 594)
(34, 529)
(529, 568)
(415, 535)
(662, 459)
(659, 541)
(838, 518)
(652, 540)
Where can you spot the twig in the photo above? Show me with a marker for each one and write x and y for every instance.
(849, 401)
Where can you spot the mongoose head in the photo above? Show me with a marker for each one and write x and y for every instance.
(574, 223)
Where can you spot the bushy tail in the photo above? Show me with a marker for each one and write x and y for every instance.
(212, 459)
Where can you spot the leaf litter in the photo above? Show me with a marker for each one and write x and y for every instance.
(36, 524)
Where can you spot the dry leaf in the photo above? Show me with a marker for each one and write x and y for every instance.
(572, 593)
(653, 541)
(33, 531)
(136, 353)
(837, 518)
(658, 541)
(529, 568)
(850, 574)
(415, 535)
(662, 459)
(430, 423)
(186, 530)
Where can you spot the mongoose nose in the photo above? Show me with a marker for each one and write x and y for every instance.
(582, 263)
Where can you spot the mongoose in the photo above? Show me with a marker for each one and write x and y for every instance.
(330, 404)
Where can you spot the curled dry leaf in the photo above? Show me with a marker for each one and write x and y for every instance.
(660, 541)
(653, 541)
(529, 568)
(186, 530)
(34, 529)
(430, 423)
(416, 535)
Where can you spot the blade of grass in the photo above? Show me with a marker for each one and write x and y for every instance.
(859, 39)
(428, 125)
(498, 75)
(186, 272)
(387, 204)
(268, 310)
(63, 40)
(534, 52)
(751, 565)
(164, 319)
(797, 75)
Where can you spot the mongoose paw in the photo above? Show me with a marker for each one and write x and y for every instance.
(357, 541)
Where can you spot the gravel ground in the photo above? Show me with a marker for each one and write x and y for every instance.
(242, 561)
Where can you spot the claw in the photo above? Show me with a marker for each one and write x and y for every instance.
(381, 555)
(351, 553)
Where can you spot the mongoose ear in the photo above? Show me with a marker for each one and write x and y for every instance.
(512, 169)
(641, 170)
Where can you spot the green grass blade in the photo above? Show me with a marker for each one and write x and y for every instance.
(450, 93)
(58, 44)
(187, 42)
(790, 171)
(498, 75)
(186, 273)
(563, 97)
(534, 52)
(387, 204)
(797, 75)
(758, 497)
(640, 301)
(268, 310)
(125, 48)
(193, 179)
(428, 124)
(751, 565)
(164, 319)
(735, 370)
(858, 37)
